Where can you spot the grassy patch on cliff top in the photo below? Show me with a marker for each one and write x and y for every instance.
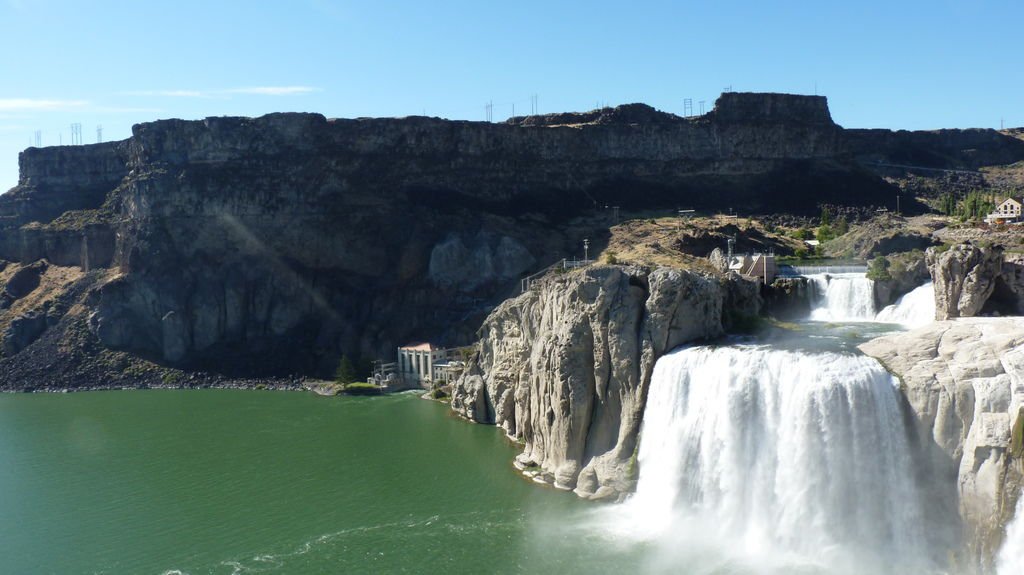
(685, 242)
(75, 220)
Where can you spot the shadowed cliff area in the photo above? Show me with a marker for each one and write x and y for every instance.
(272, 245)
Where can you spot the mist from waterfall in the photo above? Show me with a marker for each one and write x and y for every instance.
(761, 460)
(913, 309)
(842, 297)
(1011, 556)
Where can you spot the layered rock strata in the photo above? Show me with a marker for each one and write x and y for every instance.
(281, 242)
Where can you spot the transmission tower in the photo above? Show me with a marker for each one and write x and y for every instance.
(39, 138)
(76, 134)
(688, 107)
(99, 134)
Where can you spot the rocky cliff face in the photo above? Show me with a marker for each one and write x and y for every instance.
(290, 238)
(971, 280)
(907, 270)
(964, 149)
(278, 243)
(964, 383)
(565, 367)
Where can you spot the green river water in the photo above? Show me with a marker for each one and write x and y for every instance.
(218, 481)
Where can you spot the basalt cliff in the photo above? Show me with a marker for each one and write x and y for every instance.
(272, 245)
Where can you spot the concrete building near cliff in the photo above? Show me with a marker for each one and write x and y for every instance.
(424, 364)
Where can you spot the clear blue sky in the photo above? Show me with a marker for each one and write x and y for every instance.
(911, 64)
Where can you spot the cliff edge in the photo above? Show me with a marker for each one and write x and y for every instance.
(964, 384)
(565, 367)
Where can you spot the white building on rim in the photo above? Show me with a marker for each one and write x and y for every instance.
(1007, 212)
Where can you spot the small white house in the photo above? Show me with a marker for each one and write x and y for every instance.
(1006, 212)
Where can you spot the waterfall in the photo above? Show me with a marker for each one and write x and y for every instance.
(1011, 556)
(842, 297)
(914, 309)
(790, 461)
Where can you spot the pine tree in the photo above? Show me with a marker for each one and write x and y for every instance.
(346, 372)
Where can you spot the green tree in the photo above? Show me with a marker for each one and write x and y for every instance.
(826, 218)
(346, 372)
(824, 233)
(948, 204)
(802, 234)
(879, 269)
(975, 205)
(841, 227)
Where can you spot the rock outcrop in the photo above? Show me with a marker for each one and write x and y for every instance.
(565, 367)
(1008, 295)
(788, 298)
(964, 277)
(907, 270)
(964, 384)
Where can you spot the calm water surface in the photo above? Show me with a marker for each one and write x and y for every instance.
(218, 481)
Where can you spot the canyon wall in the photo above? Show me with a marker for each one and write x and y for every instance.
(278, 243)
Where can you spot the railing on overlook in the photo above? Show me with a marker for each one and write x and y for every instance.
(563, 264)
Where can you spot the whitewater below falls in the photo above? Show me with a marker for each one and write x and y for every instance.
(778, 458)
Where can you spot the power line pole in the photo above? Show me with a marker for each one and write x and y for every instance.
(76, 134)
(39, 138)
(99, 134)
(687, 107)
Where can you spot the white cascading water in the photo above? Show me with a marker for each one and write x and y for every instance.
(914, 309)
(775, 461)
(842, 297)
(1011, 556)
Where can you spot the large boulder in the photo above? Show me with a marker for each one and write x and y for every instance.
(964, 385)
(964, 277)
